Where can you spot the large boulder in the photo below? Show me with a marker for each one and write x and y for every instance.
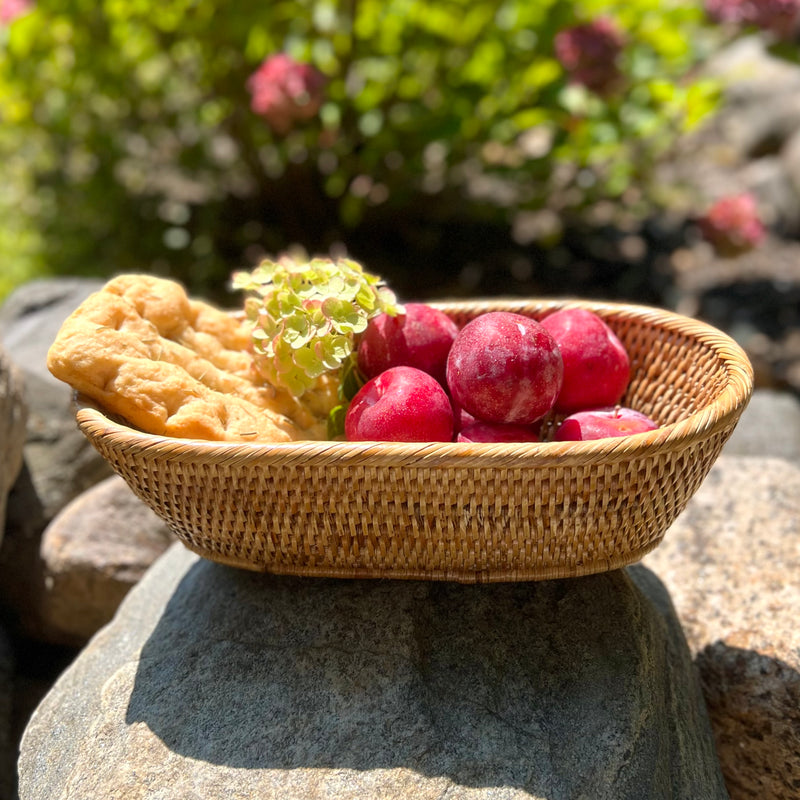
(13, 416)
(730, 562)
(744, 145)
(754, 79)
(216, 682)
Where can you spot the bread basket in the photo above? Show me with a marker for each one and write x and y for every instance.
(461, 512)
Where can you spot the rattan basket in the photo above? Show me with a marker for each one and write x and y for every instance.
(462, 512)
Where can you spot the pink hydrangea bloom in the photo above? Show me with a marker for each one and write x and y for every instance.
(589, 53)
(778, 16)
(726, 11)
(732, 224)
(285, 91)
(11, 9)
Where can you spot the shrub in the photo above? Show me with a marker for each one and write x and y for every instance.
(190, 138)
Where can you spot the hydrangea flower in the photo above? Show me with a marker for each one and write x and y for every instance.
(285, 91)
(727, 12)
(778, 16)
(589, 52)
(732, 224)
(305, 316)
(11, 9)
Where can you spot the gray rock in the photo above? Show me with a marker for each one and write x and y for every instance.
(13, 415)
(769, 426)
(213, 682)
(790, 160)
(21, 575)
(93, 552)
(777, 196)
(746, 145)
(730, 562)
(62, 463)
(762, 100)
(59, 462)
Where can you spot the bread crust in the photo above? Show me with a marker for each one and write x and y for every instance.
(175, 366)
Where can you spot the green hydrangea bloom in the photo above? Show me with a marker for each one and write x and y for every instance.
(305, 316)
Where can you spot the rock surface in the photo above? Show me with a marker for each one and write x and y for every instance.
(93, 552)
(62, 463)
(59, 462)
(13, 416)
(752, 144)
(730, 563)
(213, 682)
(770, 425)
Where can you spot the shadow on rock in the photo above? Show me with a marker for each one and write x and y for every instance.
(754, 703)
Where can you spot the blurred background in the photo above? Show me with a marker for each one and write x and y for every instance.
(639, 150)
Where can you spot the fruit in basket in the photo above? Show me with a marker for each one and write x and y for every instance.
(402, 404)
(596, 364)
(420, 337)
(603, 423)
(505, 367)
(496, 432)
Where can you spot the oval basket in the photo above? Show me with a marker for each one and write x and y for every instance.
(462, 512)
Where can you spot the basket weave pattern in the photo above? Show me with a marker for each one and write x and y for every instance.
(466, 512)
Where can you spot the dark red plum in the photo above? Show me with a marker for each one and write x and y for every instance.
(421, 338)
(596, 365)
(496, 432)
(402, 404)
(504, 367)
(603, 423)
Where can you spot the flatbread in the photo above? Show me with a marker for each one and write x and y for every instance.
(175, 366)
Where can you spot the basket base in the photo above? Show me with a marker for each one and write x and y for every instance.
(542, 573)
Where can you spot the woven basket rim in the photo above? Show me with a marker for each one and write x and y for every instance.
(679, 435)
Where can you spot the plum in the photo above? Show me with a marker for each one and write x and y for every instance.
(496, 432)
(504, 367)
(596, 364)
(402, 404)
(603, 423)
(421, 337)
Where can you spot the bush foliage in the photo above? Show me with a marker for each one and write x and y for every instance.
(131, 138)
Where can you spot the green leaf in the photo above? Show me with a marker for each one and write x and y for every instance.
(352, 379)
(702, 99)
(336, 421)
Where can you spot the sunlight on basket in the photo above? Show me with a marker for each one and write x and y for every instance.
(462, 512)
